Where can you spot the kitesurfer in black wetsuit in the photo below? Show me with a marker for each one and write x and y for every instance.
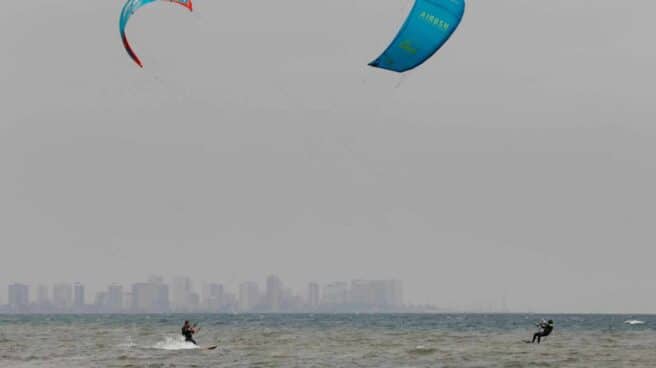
(188, 331)
(545, 330)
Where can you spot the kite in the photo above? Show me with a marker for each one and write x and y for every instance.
(129, 8)
(426, 30)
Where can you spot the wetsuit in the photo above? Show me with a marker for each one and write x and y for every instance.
(187, 332)
(546, 331)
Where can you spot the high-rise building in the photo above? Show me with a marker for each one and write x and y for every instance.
(230, 303)
(181, 290)
(396, 297)
(128, 300)
(290, 302)
(114, 298)
(78, 296)
(249, 296)
(143, 297)
(361, 293)
(101, 300)
(62, 296)
(194, 302)
(42, 297)
(150, 297)
(18, 295)
(384, 294)
(162, 295)
(274, 293)
(335, 293)
(313, 295)
(215, 297)
(387, 293)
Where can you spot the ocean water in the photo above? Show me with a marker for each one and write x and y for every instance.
(439, 340)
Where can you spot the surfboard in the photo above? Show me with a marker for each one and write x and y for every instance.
(209, 347)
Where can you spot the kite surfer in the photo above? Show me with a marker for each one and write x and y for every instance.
(188, 331)
(546, 327)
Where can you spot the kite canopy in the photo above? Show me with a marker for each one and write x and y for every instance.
(427, 28)
(130, 7)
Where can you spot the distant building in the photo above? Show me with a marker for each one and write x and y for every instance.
(335, 294)
(361, 293)
(194, 302)
(249, 296)
(274, 293)
(230, 303)
(150, 297)
(78, 296)
(388, 293)
(290, 301)
(18, 296)
(101, 301)
(42, 297)
(397, 293)
(376, 294)
(215, 297)
(313, 295)
(62, 296)
(114, 298)
(128, 300)
(143, 297)
(162, 299)
(181, 293)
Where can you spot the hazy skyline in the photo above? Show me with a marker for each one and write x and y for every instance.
(182, 295)
(519, 162)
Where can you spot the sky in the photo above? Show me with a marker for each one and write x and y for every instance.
(518, 164)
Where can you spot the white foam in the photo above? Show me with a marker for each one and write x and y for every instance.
(634, 322)
(128, 343)
(174, 343)
(422, 349)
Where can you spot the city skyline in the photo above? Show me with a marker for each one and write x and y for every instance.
(180, 295)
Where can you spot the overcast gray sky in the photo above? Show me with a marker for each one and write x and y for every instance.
(520, 161)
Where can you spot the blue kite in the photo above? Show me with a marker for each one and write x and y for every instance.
(426, 30)
(129, 8)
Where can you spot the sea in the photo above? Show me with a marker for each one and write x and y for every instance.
(324, 340)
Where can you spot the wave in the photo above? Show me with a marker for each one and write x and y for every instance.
(128, 343)
(634, 322)
(421, 349)
(174, 343)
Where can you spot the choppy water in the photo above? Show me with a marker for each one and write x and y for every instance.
(326, 341)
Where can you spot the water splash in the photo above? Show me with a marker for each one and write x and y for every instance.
(174, 343)
(421, 349)
(128, 343)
